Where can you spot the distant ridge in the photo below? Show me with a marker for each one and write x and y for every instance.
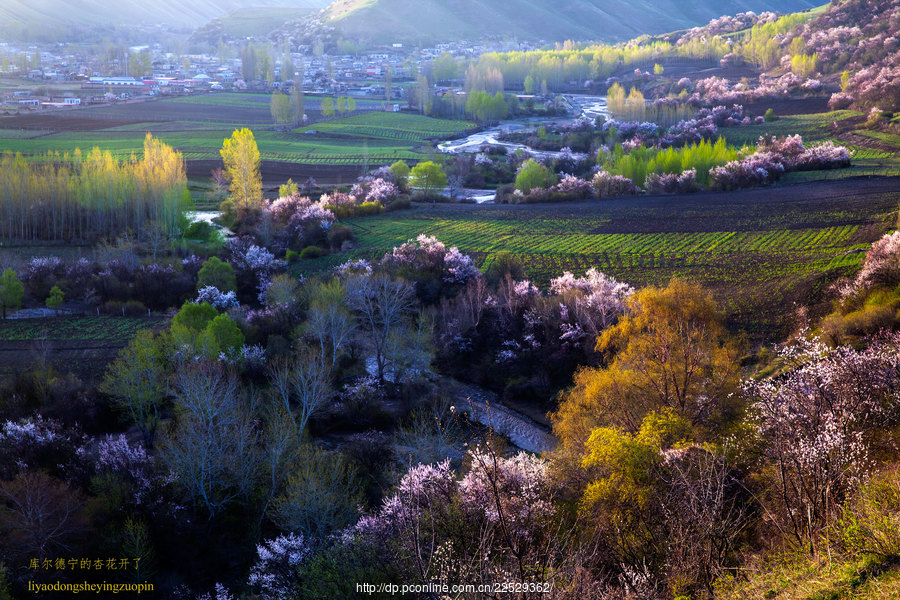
(182, 13)
(552, 20)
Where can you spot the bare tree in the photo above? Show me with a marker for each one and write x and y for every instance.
(704, 514)
(302, 386)
(155, 235)
(383, 304)
(331, 326)
(213, 446)
(409, 349)
(39, 515)
(280, 447)
(322, 494)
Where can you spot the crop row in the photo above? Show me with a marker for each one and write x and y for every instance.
(108, 329)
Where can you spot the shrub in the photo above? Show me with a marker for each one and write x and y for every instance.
(399, 204)
(131, 308)
(312, 252)
(871, 521)
(610, 186)
(770, 115)
(339, 234)
(292, 256)
(218, 274)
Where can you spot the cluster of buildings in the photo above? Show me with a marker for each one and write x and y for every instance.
(90, 79)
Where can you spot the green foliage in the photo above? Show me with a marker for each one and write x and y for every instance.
(11, 291)
(770, 115)
(632, 107)
(217, 273)
(445, 67)
(400, 171)
(805, 65)
(622, 464)
(312, 252)
(136, 381)
(85, 195)
(137, 543)
(222, 335)
(283, 290)
(282, 109)
(483, 106)
(327, 107)
(529, 85)
(534, 175)
(871, 520)
(428, 177)
(291, 256)
(658, 69)
(505, 264)
(55, 299)
(642, 161)
(194, 317)
(289, 188)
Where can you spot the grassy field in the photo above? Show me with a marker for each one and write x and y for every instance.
(204, 144)
(197, 125)
(759, 250)
(389, 126)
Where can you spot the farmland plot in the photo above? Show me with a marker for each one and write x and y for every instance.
(758, 250)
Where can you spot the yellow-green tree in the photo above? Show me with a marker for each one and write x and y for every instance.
(670, 351)
(281, 108)
(241, 157)
(429, 177)
(136, 381)
(327, 107)
(11, 291)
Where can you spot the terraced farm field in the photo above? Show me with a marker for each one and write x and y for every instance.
(392, 126)
(758, 250)
(79, 343)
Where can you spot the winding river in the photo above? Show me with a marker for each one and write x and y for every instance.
(581, 106)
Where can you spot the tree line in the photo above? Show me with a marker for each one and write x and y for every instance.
(91, 195)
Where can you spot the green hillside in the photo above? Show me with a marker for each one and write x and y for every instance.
(408, 20)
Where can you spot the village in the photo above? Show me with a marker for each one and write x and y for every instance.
(60, 77)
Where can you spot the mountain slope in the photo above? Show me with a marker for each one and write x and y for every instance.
(612, 20)
(61, 13)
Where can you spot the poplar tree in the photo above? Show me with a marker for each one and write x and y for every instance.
(241, 158)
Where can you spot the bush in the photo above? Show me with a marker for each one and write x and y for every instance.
(339, 234)
(871, 521)
(291, 256)
(199, 230)
(610, 186)
(312, 252)
(867, 321)
(399, 204)
(770, 116)
(218, 274)
(132, 308)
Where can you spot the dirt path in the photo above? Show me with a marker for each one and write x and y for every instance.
(484, 407)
